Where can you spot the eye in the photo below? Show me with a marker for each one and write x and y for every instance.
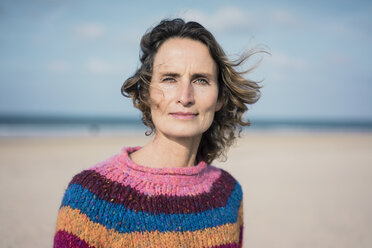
(168, 80)
(201, 81)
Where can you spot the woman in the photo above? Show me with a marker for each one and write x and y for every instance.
(166, 194)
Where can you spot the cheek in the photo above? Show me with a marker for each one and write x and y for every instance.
(157, 98)
(208, 99)
(159, 102)
(207, 104)
(160, 94)
(156, 95)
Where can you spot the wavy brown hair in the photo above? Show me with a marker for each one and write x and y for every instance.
(235, 91)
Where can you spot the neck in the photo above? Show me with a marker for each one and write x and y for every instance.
(165, 151)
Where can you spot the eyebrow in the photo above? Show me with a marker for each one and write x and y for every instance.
(193, 76)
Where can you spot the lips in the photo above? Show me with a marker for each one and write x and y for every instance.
(184, 115)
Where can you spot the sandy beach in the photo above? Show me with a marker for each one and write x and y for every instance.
(300, 189)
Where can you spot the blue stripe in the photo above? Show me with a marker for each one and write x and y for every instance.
(124, 220)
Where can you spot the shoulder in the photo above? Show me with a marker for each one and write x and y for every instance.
(227, 183)
(91, 184)
(225, 175)
(96, 169)
(95, 175)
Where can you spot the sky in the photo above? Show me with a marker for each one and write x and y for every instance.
(70, 58)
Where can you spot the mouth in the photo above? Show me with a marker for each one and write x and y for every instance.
(184, 115)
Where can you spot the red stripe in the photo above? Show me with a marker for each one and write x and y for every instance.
(241, 236)
(64, 239)
(115, 192)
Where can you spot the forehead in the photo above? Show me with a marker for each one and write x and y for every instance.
(184, 53)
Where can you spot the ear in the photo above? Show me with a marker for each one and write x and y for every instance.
(219, 104)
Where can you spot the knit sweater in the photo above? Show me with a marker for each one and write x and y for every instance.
(118, 203)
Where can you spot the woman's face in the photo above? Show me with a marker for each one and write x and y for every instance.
(184, 89)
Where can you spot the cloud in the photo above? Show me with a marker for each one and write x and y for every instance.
(224, 19)
(89, 31)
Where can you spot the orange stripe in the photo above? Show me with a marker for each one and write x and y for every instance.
(240, 214)
(95, 234)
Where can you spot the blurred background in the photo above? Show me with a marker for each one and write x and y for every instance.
(305, 162)
(68, 59)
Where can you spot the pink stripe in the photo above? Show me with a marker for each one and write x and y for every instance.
(145, 182)
(65, 239)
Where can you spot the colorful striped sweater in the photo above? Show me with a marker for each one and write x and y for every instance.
(118, 203)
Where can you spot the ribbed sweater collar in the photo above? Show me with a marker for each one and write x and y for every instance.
(184, 171)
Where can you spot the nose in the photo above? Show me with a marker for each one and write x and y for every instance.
(186, 94)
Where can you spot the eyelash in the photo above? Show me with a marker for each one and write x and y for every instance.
(169, 80)
(201, 81)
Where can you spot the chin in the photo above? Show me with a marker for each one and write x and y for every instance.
(182, 132)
